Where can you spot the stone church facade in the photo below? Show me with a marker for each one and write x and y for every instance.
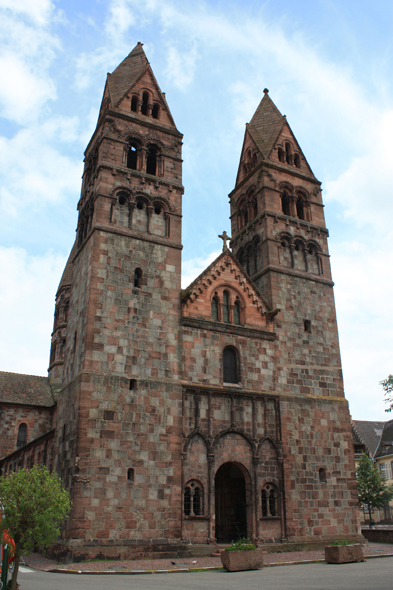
(205, 414)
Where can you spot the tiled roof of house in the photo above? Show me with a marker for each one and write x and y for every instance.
(16, 388)
(370, 433)
(386, 443)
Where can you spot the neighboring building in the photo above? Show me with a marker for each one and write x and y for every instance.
(213, 412)
(375, 439)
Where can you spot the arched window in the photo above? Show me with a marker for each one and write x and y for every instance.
(151, 163)
(285, 203)
(145, 103)
(214, 309)
(138, 278)
(230, 365)
(307, 326)
(134, 104)
(281, 155)
(300, 208)
(22, 435)
(131, 474)
(225, 307)
(155, 112)
(193, 499)
(297, 160)
(288, 153)
(236, 312)
(132, 156)
(269, 498)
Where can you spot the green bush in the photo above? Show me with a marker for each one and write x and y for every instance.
(241, 545)
(343, 542)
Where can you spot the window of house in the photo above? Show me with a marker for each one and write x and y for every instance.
(300, 208)
(230, 365)
(297, 160)
(307, 326)
(193, 499)
(269, 499)
(384, 468)
(281, 155)
(138, 278)
(288, 152)
(131, 474)
(22, 435)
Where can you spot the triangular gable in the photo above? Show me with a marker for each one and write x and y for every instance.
(134, 71)
(249, 146)
(225, 272)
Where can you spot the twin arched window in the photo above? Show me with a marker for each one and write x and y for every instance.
(143, 160)
(295, 206)
(193, 499)
(226, 310)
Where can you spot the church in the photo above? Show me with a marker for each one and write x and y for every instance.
(185, 418)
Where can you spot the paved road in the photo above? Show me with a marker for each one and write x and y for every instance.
(374, 574)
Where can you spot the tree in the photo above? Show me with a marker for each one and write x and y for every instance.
(387, 385)
(372, 489)
(34, 504)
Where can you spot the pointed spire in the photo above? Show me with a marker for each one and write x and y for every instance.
(127, 73)
(266, 124)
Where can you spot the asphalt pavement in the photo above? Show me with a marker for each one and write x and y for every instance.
(374, 574)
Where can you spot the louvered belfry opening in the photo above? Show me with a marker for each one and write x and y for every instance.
(230, 365)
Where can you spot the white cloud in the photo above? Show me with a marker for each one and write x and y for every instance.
(120, 20)
(32, 169)
(191, 269)
(26, 309)
(363, 298)
(38, 11)
(181, 66)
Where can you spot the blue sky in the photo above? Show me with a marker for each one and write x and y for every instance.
(328, 67)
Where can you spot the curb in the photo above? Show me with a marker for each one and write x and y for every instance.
(189, 570)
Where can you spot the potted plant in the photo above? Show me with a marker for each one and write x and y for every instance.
(241, 555)
(344, 552)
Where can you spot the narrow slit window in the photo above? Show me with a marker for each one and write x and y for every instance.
(155, 111)
(151, 164)
(138, 278)
(145, 103)
(225, 307)
(236, 312)
(131, 474)
(215, 309)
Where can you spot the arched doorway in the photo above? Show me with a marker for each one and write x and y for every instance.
(230, 503)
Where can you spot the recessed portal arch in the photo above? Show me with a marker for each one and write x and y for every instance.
(232, 502)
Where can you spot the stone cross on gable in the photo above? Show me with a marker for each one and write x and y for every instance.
(225, 238)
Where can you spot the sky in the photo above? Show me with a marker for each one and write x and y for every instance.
(328, 65)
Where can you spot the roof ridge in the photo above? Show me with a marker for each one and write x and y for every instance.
(24, 374)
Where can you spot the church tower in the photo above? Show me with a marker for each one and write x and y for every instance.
(280, 238)
(118, 404)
